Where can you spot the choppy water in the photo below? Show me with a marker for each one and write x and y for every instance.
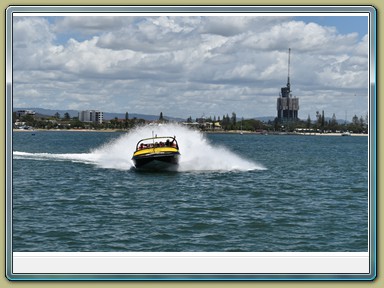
(77, 191)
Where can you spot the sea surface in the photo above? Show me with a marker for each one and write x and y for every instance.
(78, 192)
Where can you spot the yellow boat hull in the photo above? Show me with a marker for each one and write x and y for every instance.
(156, 154)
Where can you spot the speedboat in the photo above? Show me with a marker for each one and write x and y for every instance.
(156, 153)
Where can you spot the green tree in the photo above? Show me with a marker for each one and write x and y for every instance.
(76, 123)
(126, 120)
(115, 124)
(322, 121)
(276, 124)
(233, 119)
(333, 126)
(308, 122)
(355, 120)
(225, 123)
(29, 120)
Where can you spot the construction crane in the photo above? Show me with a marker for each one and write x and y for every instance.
(289, 65)
(286, 91)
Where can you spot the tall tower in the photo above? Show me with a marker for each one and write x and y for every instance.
(287, 107)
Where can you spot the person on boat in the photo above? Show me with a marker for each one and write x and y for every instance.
(167, 143)
(173, 143)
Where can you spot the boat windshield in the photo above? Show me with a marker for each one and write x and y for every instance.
(156, 142)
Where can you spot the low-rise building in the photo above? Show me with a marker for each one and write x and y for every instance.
(20, 113)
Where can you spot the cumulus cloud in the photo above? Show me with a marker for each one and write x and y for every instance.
(185, 66)
(89, 24)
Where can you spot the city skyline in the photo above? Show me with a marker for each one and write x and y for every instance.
(191, 65)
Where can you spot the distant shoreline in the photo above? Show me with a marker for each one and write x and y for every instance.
(68, 130)
(208, 132)
(279, 133)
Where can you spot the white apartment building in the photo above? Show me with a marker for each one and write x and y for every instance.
(93, 116)
(25, 112)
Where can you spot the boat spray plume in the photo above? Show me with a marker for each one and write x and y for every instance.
(197, 152)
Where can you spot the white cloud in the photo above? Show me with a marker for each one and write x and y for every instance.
(185, 66)
(89, 24)
(303, 37)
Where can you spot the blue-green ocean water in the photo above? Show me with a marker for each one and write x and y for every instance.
(78, 192)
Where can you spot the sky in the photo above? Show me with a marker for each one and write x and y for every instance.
(193, 65)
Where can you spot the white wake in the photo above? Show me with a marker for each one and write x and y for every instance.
(197, 152)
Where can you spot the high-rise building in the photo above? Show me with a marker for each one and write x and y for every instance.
(93, 116)
(287, 106)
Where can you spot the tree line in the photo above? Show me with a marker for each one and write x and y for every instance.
(226, 123)
(357, 125)
(321, 124)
